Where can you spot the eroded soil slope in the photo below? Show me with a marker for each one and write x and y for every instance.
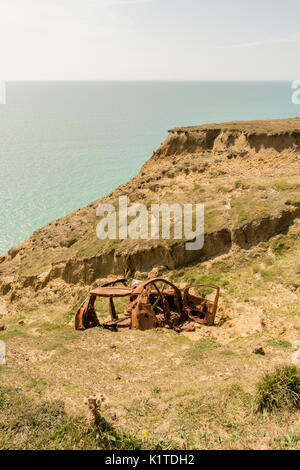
(196, 388)
(246, 174)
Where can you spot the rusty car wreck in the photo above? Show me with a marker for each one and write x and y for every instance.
(155, 303)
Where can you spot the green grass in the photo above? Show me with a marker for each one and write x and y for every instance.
(11, 333)
(279, 343)
(199, 348)
(283, 184)
(198, 187)
(279, 245)
(293, 200)
(288, 441)
(223, 189)
(240, 184)
(279, 389)
(141, 408)
(26, 425)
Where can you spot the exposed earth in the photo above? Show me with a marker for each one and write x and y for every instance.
(194, 389)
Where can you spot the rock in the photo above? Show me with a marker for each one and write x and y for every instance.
(21, 322)
(140, 276)
(14, 251)
(6, 285)
(244, 325)
(296, 358)
(188, 327)
(260, 351)
(2, 327)
(156, 272)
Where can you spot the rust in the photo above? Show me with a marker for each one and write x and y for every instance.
(155, 303)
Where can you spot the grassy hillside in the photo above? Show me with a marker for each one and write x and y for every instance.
(189, 390)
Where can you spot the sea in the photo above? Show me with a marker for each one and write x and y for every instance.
(65, 144)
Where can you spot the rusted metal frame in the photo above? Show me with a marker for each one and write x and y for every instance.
(211, 316)
(165, 305)
(140, 299)
(177, 293)
(86, 314)
(111, 324)
(113, 283)
(112, 310)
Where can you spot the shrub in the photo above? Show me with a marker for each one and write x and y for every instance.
(223, 189)
(279, 389)
(198, 187)
(240, 184)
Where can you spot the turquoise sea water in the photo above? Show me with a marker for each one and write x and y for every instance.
(65, 144)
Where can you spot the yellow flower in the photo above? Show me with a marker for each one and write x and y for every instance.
(144, 433)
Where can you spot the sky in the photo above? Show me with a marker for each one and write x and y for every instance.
(149, 39)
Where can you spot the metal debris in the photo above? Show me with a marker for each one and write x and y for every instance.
(155, 303)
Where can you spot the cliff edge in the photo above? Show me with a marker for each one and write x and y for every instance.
(246, 173)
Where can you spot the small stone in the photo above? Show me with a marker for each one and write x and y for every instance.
(21, 322)
(2, 327)
(188, 327)
(260, 351)
(114, 417)
(118, 377)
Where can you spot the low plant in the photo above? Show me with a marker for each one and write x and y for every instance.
(279, 389)
(29, 425)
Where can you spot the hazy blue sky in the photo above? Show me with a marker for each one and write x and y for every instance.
(150, 39)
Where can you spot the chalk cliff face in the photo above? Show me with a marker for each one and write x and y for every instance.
(234, 139)
(227, 140)
(246, 173)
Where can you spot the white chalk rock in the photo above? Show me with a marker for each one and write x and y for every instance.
(296, 358)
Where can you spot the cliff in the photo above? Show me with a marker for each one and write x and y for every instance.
(246, 173)
(197, 388)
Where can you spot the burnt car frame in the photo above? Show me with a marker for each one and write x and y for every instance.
(149, 306)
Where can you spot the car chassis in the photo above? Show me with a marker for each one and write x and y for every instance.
(149, 306)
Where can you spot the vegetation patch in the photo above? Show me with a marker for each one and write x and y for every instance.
(26, 425)
(198, 187)
(279, 389)
(240, 184)
(288, 441)
(279, 343)
(197, 350)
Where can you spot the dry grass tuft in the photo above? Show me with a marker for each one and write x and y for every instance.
(279, 389)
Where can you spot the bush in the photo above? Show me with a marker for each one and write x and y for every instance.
(240, 184)
(279, 389)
